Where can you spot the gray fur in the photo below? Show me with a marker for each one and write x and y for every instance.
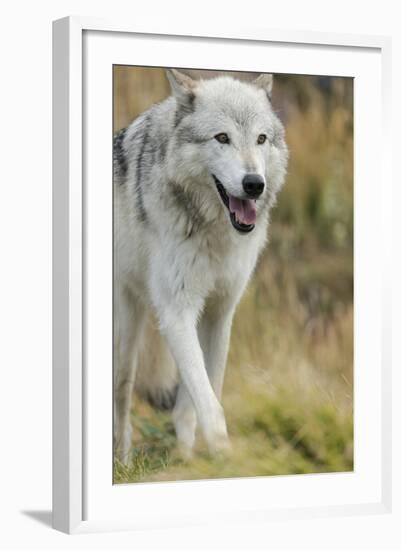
(184, 109)
(178, 253)
(119, 155)
(141, 163)
(147, 140)
(189, 134)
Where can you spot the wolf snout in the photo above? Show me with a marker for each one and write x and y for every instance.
(253, 185)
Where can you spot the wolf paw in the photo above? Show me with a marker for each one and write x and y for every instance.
(185, 452)
(221, 448)
(122, 445)
(218, 441)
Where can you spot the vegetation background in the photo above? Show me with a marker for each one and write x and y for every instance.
(288, 393)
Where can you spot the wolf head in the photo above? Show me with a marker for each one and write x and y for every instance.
(228, 140)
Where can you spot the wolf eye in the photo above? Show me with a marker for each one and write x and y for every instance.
(222, 138)
(261, 139)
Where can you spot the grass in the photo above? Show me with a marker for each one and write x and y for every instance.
(288, 393)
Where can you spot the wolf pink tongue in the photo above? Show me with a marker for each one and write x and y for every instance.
(244, 210)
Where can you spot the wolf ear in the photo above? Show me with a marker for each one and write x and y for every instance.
(182, 86)
(265, 81)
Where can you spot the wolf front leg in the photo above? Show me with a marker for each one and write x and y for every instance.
(214, 336)
(197, 390)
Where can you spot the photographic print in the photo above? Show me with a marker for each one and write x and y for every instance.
(233, 274)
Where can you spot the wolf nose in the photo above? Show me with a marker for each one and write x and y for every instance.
(253, 185)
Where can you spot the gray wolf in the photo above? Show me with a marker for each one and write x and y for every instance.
(195, 177)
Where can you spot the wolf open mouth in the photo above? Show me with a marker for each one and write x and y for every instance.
(242, 211)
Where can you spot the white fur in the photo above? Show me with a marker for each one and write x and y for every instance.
(192, 285)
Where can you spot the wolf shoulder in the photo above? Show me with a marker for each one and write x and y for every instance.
(144, 141)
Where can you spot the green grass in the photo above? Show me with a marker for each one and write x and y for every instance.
(275, 430)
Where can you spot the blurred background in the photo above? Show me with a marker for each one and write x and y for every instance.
(288, 393)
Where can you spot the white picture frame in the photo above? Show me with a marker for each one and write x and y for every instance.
(80, 44)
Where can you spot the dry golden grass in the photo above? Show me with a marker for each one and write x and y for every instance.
(288, 394)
